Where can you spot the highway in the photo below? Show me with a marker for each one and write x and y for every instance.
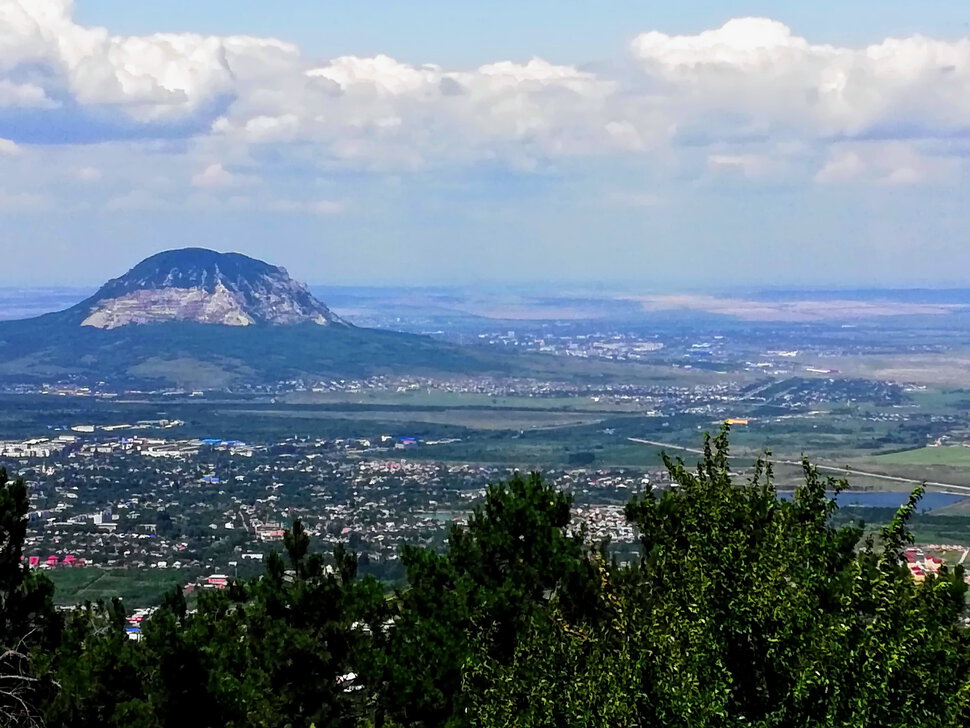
(844, 471)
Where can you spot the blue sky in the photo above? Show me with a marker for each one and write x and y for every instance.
(646, 144)
(456, 33)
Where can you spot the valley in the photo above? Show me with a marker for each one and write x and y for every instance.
(233, 431)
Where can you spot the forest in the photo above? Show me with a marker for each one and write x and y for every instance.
(740, 609)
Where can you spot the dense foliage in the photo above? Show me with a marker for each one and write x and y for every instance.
(29, 627)
(743, 610)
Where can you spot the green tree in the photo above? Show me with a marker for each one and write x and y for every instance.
(28, 623)
(269, 652)
(273, 652)
(101, 674)
(743, 610)
(514, 556)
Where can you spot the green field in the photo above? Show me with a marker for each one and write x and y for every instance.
(955, 455)
(937, 399)
(458, 400)
(137, 587)
(479, 419)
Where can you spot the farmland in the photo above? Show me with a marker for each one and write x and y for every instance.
(953, 455)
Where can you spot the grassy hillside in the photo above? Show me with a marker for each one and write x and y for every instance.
(199, 355)
(56, 347)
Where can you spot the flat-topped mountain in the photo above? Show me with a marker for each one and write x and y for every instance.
(202, 319)
(203, 286)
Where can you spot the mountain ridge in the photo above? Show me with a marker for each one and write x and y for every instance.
(203, 286)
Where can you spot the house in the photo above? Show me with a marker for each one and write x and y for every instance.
(216, 581)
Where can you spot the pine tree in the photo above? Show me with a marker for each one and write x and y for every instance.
(28, 622)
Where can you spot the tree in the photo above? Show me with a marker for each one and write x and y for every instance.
(514, 556)
(268, 652)
(102, 675)
(744, 610)
(28, 622)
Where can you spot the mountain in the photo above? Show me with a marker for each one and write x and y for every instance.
(202, 319)
(203, 286)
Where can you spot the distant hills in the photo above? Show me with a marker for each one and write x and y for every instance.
(199, 318)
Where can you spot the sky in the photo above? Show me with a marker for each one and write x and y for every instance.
(637, 144)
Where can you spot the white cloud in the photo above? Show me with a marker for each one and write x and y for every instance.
(890, 163)
(149, 77)
(8, 147)
(24, 95)
(360, 111)
(378, 112)
(217, 176)
(904, 176)
(843, 165)
(729, 100)
(757, 76)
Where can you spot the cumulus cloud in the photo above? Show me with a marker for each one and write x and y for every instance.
(360, 111)
(892, 163)
(8, 147)
(24, 95)
(757, 76)
(146, 77)
(215, 176)
(726, 90)
(844, 165)
(380, 112)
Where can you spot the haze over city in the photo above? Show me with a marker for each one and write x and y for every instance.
(638, 145)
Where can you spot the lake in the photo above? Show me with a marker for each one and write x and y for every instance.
(891, 499)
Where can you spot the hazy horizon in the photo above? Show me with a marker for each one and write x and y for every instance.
(543, 301)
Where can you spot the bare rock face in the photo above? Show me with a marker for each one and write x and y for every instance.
(203, 286)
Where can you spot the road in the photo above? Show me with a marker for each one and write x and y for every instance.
(952, 487)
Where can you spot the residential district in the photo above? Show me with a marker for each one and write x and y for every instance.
(219, 505)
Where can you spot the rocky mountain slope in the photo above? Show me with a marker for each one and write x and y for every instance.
(203, 286)
(201, 319)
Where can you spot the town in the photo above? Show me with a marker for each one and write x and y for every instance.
(220, 506)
